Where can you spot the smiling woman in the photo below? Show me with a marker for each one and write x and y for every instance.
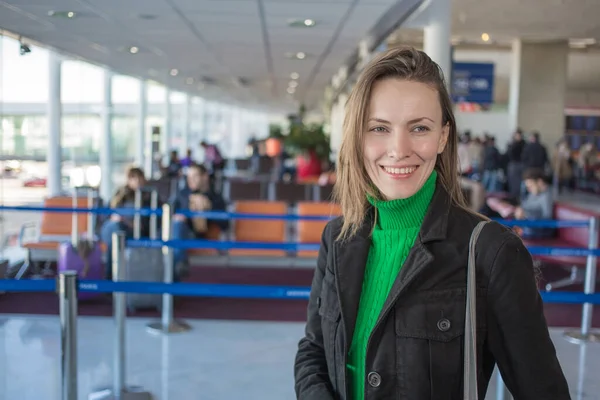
(387, 309)
(404, 136)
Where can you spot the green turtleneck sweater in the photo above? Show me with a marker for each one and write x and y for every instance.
(398, 224)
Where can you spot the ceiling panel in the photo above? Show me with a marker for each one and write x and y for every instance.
(226, 39)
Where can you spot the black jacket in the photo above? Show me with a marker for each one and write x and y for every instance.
(415, 351)
(181, 201)
(534, 155)
(491, 158)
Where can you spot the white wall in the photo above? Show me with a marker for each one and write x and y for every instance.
(583, 83)
(494, 123)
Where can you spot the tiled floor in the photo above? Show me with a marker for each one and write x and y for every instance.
(217, 360)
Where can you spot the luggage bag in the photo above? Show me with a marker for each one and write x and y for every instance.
(144, 264)
(82, 254)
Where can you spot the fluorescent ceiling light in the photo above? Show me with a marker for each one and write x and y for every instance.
(174, 72)
(62, 14)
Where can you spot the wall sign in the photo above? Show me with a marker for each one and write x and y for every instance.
(473, 83)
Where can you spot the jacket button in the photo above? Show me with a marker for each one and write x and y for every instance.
(444, 324)
(374, 379)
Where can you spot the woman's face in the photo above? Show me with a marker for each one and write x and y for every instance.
(404, 135)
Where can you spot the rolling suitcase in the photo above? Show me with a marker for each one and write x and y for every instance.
(144, 264)
(82, 254)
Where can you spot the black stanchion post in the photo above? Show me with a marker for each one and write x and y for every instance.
(67, 295)
(167, 324)
(119, 391)
(586, 334)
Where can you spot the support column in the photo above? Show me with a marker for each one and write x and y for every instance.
(142, 146)
(106, 150)
(165, 142)
(537, 95)
(437, 35)
(185, 134)
(54, 115)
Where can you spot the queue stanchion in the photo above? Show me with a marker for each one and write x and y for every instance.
(118, 390)
(67, 299)
(167, 324)
(585, 334)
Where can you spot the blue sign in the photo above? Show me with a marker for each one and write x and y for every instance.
(473, 83)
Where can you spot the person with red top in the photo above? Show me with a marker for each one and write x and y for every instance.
(309, 166)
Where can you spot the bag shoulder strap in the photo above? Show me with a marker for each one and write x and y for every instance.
(470, 356)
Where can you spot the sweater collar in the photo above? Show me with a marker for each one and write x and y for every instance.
(405, 213)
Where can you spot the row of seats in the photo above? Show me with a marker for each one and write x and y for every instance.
(243, 189)
(55, 227)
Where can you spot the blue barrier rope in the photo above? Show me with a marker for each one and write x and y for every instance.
(544, 223)
(226, 291)
(95, 210)
(222, 215)
(229, 245)
(222, 245)
(562, 251)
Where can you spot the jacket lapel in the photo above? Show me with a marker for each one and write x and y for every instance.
(434, 227)
(350, 262)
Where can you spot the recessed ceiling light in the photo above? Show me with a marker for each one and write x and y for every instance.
(300, 55)
(293, 84)
(133, 50)
(62, 14)
(174, 72)
(148, 17)
(189, 81)
(485, 37)
(294, 75)
(301, 23)
(291, 90)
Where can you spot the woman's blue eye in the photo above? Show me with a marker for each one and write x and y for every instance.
(378, 129)
(420, 128)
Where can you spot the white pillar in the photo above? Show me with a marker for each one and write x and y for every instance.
(165, 137)
(106, 150)
(537, 95)
(142, 140)
(185, 134)
(514, 85)
(54, 111)
(437, 35)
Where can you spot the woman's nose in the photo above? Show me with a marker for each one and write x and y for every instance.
(400, 146)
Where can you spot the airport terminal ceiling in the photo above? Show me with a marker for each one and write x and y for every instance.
(244, 51)
(248, 51)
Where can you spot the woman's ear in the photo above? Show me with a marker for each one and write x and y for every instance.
(444, 138)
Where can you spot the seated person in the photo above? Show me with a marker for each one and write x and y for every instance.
(196, 196)
(125, 197)
(538, 205)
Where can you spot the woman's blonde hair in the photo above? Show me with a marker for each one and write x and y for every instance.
(353, 183)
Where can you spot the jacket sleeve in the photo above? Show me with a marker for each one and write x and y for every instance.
(310, 370)
(518, 333)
